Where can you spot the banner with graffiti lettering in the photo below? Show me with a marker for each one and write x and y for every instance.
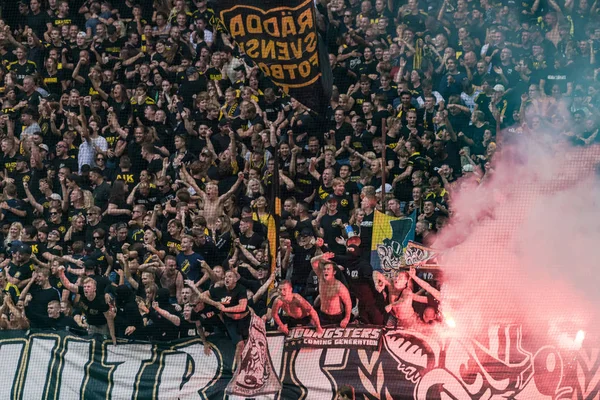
(504, 362)
(416, 254)
(255, 375)
(282, 40)
(365, 337)
(391, 235)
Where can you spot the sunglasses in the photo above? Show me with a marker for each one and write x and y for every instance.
(100, 159)
(54, 213)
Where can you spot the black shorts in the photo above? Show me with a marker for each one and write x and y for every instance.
(327, 319)
(238, 329)
(293, 322)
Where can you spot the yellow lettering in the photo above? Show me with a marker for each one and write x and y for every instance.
(304, 69)
(268, 49)
(236, 26)
(252, 47)
(296, 50)
(288, 27)
(253, 24)
(314, 60)
(272, 27)
(264, 68)
(291, 69)
(284, 53)
(305, 21)
(310, 41)
(277, 71)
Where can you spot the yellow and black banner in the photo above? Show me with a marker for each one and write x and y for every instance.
(282, 40)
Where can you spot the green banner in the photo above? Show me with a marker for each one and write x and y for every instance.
(425, 364)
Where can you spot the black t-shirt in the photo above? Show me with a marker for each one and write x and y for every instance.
(229, 298)
(331, 232)
(209, 318)
(301, 264)
(101, 195)
(37, 309)
(128, 314)
(21, 272)
(305, 185)
(94, 309)
(359, 275)
(253, 242)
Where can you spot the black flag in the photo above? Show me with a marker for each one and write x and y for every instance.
(281, 37)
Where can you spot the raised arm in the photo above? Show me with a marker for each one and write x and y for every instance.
(71, 287)
(263, 289)
(37, 206)
(428, 288)
(315, 261)
(233, 189)
(174, 319)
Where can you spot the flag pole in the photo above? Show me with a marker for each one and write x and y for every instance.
(383, 162)
(273, 224)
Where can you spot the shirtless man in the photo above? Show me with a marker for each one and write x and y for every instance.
(336, 305)
(213, 203)
(298, 311)
(171, 278)
(400, 296)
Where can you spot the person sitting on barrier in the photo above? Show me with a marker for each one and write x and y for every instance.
(334, 302)
(400, 296)
(298, 311)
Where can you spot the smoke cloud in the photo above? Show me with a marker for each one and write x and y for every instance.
(528, 254)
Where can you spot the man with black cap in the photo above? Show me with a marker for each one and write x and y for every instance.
(303, 252)
(21, 268)
(194, 84)
(97, 306)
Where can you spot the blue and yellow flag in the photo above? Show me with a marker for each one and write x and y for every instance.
(390, 237)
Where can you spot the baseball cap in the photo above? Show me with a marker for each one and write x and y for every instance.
(21, 158)
(55, 196)
(89, 264)
(306, 232)
(44, 147)
(388, 188)
(331, 197)
(191, 71)
(499, 88)
(23, 249)
(263, 266)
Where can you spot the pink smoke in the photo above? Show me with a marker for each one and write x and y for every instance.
(529, 251)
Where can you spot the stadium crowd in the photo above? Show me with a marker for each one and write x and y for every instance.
(138, 143)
